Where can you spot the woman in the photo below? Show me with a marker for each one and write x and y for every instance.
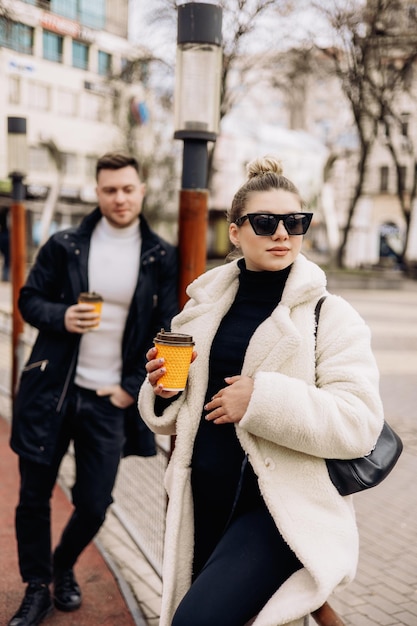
(255, 528)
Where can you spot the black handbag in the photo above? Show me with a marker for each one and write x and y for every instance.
(353, 475)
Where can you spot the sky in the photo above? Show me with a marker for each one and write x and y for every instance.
(301, 24)
(140, 32)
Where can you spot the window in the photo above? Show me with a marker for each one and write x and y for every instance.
(92, 13)
(61, 7)
(16, 36)
(90, 166)
(14, 90)
(402, 177)
(383, 174)
(91, 106)
(39, 159)
(69, 163)
(80, 55)
(52, 46)
(66, 8)
(404, 124)
(67, 102)
(104, 63)
(40, 96)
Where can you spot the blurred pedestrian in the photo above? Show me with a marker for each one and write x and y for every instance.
(82, 386)
(255, 528)
(5, 244)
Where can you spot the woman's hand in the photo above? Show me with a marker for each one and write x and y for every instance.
(230, 403)
(155, 368)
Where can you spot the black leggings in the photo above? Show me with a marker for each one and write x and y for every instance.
(249, 563)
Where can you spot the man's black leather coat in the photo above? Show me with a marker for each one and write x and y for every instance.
(59, 274)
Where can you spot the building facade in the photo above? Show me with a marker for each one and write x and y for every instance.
(308, 122)
(60, 68)
(60, 63)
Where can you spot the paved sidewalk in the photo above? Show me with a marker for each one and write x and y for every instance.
(384, 592)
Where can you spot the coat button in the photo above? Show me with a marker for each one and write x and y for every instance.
(269, 463)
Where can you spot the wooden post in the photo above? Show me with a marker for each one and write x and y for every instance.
(192, 237)
(18, 274)
(326, 616)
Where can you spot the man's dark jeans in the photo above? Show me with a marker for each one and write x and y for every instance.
(96, 428)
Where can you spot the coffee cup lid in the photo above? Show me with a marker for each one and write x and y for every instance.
(90, 295)
(178, 339)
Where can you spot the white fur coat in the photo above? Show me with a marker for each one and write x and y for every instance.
(292, 423)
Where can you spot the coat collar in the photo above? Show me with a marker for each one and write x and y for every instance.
(305, 281)
(77, 241)
(212, 294)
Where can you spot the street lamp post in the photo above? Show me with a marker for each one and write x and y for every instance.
(17, 161)
(197, 114)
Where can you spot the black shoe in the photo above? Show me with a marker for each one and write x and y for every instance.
(67, 593)
(36, 605)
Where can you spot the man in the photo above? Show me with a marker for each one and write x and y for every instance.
(82, 386)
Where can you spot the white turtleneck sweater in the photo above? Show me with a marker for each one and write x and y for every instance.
(113, 267)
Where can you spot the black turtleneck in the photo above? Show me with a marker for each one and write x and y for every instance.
(258, 295)
(218, 456)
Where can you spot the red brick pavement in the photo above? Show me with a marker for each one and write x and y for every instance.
(103, 602)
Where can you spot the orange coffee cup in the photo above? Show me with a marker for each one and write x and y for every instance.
(87, 297)
(176, 349)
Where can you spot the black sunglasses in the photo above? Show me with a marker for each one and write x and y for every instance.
(265, 224)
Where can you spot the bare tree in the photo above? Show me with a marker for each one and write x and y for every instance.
(54, 190)
(372, 60)
(351, 65)
(142, 105)
(394, 90)
(246, 42)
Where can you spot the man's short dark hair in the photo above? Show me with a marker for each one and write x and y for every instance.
(115, 161)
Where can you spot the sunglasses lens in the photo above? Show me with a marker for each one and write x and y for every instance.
(297, 224)
(264, 224)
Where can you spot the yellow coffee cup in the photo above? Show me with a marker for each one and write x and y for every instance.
(176, 349)
(91, 297)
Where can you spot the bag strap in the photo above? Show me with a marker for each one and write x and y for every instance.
(317, 315)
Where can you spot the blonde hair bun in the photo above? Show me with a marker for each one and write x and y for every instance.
(264, 165)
